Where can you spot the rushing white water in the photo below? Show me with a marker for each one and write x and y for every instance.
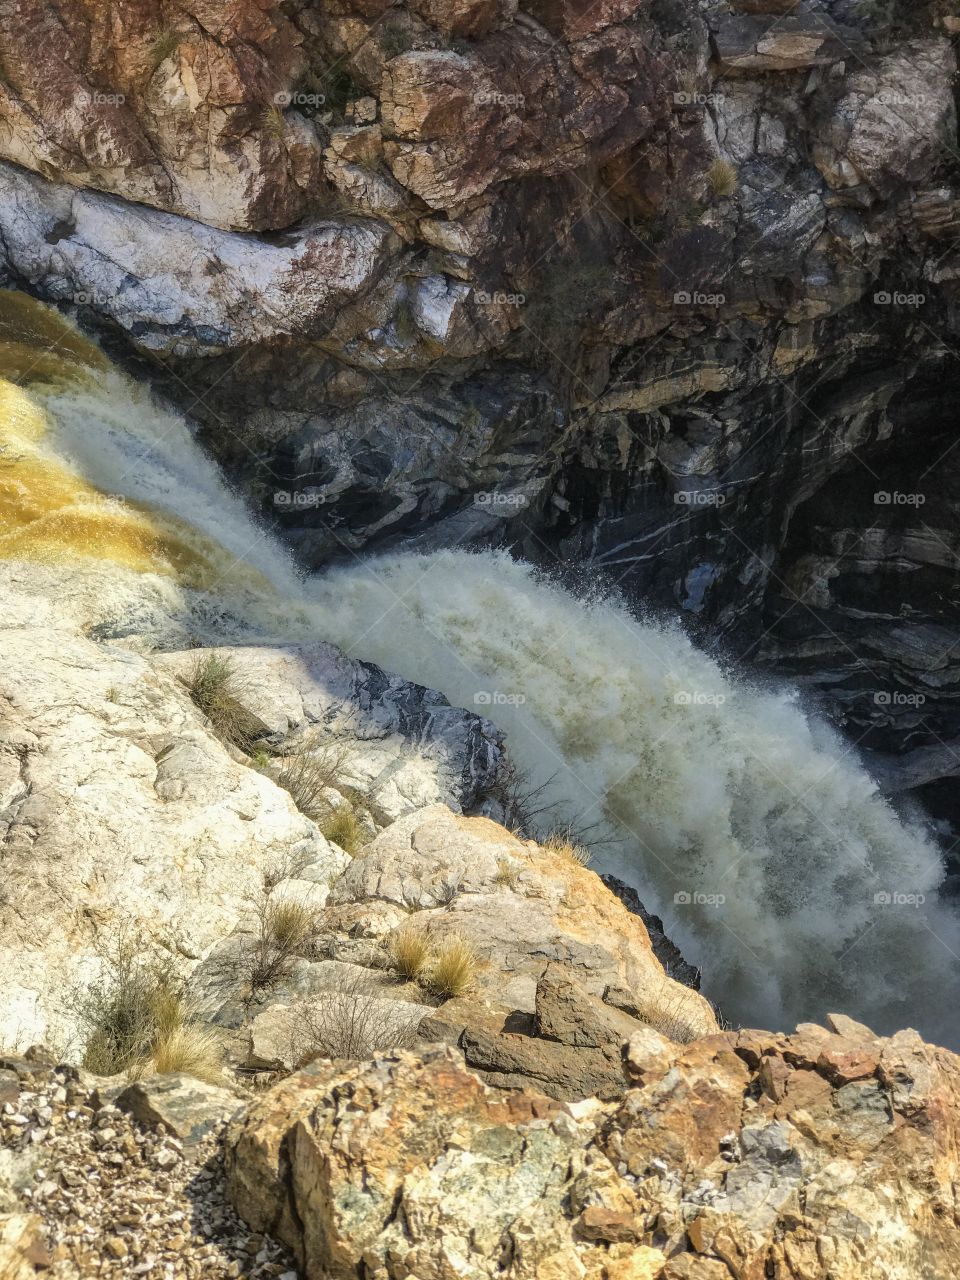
(750, 828)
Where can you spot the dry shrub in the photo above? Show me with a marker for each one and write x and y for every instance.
(665, 1010)
(307, 774)
(351, 1023)
(138, 1019)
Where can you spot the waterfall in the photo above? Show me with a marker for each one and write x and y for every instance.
(749, 826)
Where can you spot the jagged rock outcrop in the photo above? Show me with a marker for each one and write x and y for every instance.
(121, 809)
(560, 975)
(742, 1154)
(661, 282)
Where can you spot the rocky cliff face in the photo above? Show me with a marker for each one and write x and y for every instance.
(666, 288)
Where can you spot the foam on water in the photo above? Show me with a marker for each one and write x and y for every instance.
(748, 826)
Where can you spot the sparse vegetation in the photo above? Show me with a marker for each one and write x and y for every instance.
(343, 827)
(306, 774)
(351, 1023)
(338, 87)
(560, 843)
(664, 1011)
(408, 949)
(273, 121)
(395, 38)
(189, 1048)
(215, 689)
(453, 968)
(138, 1020)
(507, 873)
(282, 930)
(163, 44)
(722, 178)
(560, 299)
(290, 924)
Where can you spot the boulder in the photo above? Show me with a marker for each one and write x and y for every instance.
(179, 1104)
(180, 286)
(887, 124)
(791, 43)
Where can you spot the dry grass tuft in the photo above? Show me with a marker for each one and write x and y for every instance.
(559, 842)
(343, 827)
(722, 178)
(273, 121)
(138, 1020)
(453, 968)
(664, 1010)
(163, 44)
(189, 1048)
(290, 925)
(215, 689)
(507, 873)
(408, 949)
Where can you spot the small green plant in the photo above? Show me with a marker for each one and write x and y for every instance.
(453, 969)
(507, 873)
(163, 44)
(215, 689)
(395, 38)
(273, 121)
(343, 828)
(408, 949)
(722, 178)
